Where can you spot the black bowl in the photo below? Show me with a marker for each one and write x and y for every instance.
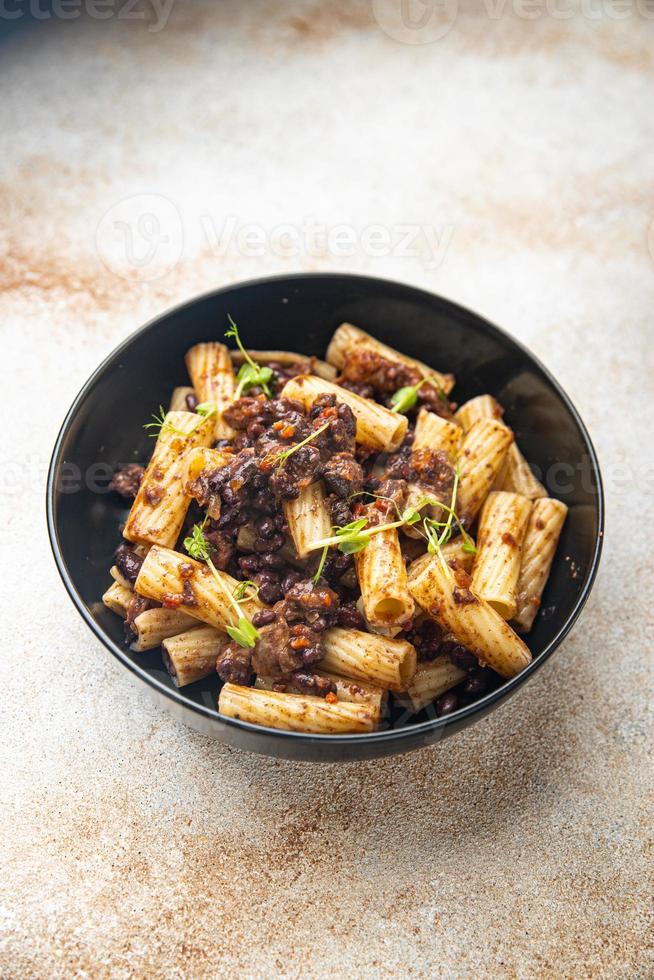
(104, 429)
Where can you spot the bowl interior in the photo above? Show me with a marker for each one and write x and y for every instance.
(104, 428)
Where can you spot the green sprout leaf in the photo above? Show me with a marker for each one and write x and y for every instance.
(206, 409)
(159, 424)
(321, 566)
(244, 633)
(404, 399)
(281, 458)
(241, 593)
(251, 374)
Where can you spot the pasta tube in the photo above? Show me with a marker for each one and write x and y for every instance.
(502, 527)
(377, 427)
(308, 517)
(430, 681)
(515, 476)
(286, 358)
(178, 401)
(118, 576)
(161, 503)
(348, 336)
(433, 432)
(191, 655)
(154, 625)
(382, 578)
(198, 465)
(482, 453)
(538, 550)
(470, 619)
(481, 407)
(295, 712)
(117, 598)
(174, 579)
(378, 660)
(212, 376)
(347, 689)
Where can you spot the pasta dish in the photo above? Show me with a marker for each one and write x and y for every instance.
(328, 535)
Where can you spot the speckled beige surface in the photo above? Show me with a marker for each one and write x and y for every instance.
(522, 847)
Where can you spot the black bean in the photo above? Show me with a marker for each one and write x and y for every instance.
(191, 402)
(446, 704)
(477, 683)
(266, 527)
(460, 656)
(350, 618)
(264, 618)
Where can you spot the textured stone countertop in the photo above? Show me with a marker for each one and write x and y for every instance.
(519, 151)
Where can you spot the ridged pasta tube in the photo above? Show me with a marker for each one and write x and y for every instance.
(515, 475)
(433, 432)
(482, 453)
(192, 655)
(379, 660)
(210, 369)
(308, 517)
(117, 598)
(470, 619)
(502, 527)
(430, 681)
(161, 503)
(348, 336)
(163, 576)
(152, 626)
(381, 572)
(377, 427)
(538, 550)
(296, 712)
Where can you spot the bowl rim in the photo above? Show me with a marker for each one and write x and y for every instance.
(431, 727)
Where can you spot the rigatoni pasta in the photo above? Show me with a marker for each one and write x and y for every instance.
(212, 375)
(502, 526)
(267, 544)
(480, 458)
(296, 712)
(308, 517)
(538, 550)
(470, 619)
(193, 654)
(376, 426)
(160, 506)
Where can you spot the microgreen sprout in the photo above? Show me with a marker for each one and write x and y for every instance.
(404, 399)
(243, 633)
(206, 409)
(160, 424)
(250, 374)
(280, 458)
(321, 565)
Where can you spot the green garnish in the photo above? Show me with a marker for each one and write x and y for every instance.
(319, 570)
(404, 399)
(206, 409)
(250, 374)
(438, 533)
(244, 633)
(160, 424)
(240, 592)
(280, 458)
